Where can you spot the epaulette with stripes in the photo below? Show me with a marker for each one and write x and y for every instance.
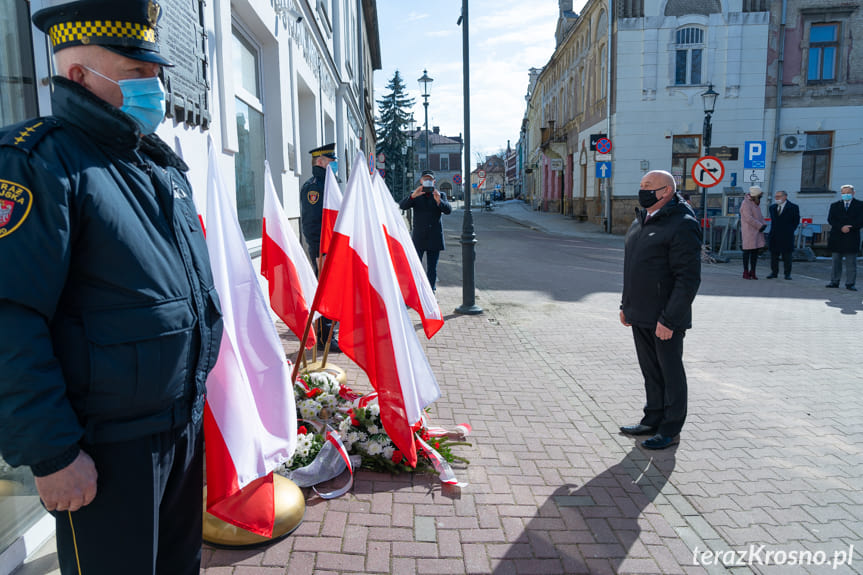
(25, 136)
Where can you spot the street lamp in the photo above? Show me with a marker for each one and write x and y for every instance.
(709, 100)
(425, 83)
(468, 237)
(410, 163)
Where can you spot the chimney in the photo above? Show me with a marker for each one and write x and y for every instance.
(436, 129)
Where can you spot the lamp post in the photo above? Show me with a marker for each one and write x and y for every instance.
(709, 100)
(425, 81)
(468, 237)
(409, 165)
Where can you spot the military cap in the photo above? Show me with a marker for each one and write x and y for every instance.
(427, 173)
(127, 28)
(328, 151)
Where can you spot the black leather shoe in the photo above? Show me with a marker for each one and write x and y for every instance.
(638, 429)
(772, 276)
(851, 287)
(660, 441)
(788, 277)
(832, 285)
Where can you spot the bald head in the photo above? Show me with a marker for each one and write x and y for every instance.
(662, 184)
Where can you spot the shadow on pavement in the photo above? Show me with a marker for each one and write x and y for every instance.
(601, 520)
(845, 305)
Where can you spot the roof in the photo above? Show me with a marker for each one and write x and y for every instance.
(435, 139)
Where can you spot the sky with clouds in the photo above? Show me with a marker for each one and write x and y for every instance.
(507, 38)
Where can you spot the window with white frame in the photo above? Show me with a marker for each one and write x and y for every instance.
(688, 56)
(251, 152)
(823, 52)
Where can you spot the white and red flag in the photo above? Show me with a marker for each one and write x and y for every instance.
(331, 207)
(250, 423)
(358, 288)
(414, 283)
(290, 277)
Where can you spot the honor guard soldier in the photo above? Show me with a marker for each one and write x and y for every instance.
(312, 213)
(110, 320)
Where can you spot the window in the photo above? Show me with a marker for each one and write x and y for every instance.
(823, 51)
(685, 151)
(687, 58)
(444, 163)
(17, 76)
(249, 160)
(755, 6)
(815, 174)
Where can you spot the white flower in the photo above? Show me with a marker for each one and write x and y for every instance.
(374, 448)
(304, 444)
(374, 409)
(309, 408)
(326, 381)
(388, 451)
(373, 429)
(328, 400)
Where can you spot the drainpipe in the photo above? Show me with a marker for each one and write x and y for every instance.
(779, 80)
(608, 220)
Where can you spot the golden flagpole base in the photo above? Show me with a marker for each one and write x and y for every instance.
(334, 370)
(290, 508)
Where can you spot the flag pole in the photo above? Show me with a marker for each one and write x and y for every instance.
(300, 353)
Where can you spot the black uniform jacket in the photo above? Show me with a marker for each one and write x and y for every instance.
(312, 206)
(782, 227)
(662, 267)
(838, 217)
(427, 232)
(109, 321)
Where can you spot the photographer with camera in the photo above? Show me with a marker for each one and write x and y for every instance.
(428, 204)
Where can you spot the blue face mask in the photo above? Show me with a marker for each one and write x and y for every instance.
(143, 100)
(334, 166)
(847, 197)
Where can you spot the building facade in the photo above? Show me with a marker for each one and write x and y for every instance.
(261, 81)
(443, 158)
(788, 88)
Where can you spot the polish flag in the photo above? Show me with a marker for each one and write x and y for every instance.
(289, 274)
(250, 426)
(414, 283)
(358, 288)
(331, 207)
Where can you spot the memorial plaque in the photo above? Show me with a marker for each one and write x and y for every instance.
(183, 41)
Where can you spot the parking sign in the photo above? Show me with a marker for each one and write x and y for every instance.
(755, 155)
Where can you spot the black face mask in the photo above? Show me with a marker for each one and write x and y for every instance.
(646, 198)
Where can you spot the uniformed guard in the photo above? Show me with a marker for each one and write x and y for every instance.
(312, 213)
(110, 320)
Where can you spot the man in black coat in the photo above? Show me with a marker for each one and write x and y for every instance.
(784, 219)
(845, 219)
(661, 275)
(428, 204)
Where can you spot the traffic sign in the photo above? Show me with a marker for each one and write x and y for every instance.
(556, 165)
(594, 138)
(708, 171)
(755, 155)
(482, 182)
(603, 170)
(481, 174)
(456, 179)
(603, 146)
(754, 177)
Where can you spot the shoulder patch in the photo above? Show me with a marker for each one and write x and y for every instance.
(25, 136)
(16, 201)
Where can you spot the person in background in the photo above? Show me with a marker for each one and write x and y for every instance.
(845, 219)
(110, 321)
(784, 219)
(752, 226)
(661, 275)
(311, 215)
(428, 205)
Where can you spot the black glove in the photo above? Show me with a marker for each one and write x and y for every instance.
(762, 228)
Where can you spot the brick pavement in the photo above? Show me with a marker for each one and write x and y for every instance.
(770, 453)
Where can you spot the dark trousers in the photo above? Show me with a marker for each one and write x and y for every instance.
(432, 256)
(850, 268)
(664, 379)
(774, 262)
(325, 325)
(146, 518)
(750, 259)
